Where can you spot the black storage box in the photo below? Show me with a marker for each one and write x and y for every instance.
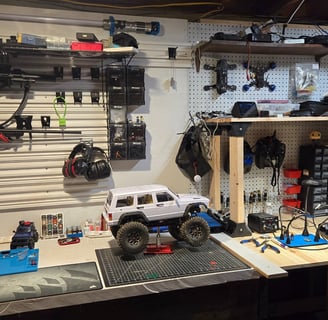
(118, 151)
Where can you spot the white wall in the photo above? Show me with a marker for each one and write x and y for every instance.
(165, 113)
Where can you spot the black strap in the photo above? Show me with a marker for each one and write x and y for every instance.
(275, 175)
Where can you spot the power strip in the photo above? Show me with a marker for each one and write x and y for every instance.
(293, 41)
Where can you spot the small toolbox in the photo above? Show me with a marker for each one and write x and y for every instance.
(18, 260)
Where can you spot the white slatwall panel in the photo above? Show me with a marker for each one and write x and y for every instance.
(31, 170)
(293, 134)
(41, 187)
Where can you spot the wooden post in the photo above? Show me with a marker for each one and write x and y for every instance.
(215, 188)
(237, 208)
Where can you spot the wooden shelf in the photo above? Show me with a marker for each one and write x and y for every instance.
(266, 119)
(215, 47)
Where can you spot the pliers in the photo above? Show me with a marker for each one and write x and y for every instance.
(270, 246)
(250, 240)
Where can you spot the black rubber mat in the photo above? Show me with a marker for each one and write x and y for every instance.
(50, 281)
(118, 269)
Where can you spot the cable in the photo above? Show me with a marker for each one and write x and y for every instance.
(144, 6)
(212, 12)
(291, 17)
(319, 233)
(321, 29)
(295, 11)
(19, 109)
(300, 213)
(289, 224)
(219, 6)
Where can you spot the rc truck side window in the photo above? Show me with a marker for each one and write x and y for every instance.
(163, 197)
(124, 201)
(145, 199)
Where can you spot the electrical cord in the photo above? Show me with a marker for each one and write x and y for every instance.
(19, 109)
(305, 231)
(144, 6)
(219, 6)
(285, 230)
(320, 233)
(291, 17)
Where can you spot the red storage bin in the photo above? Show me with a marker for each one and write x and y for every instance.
(292, 203)
(86, 46)
(292, 173)
(293, 188)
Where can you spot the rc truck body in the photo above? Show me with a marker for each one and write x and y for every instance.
(131, 211)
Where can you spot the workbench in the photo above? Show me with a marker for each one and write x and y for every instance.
(51, 254)
(250, 293)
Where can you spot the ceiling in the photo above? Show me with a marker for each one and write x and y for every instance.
(281, 11)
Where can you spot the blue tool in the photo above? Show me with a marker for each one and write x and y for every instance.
(250, 240)
(270, 246)
(150, 28)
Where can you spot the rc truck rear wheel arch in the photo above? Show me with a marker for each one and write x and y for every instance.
(194, 208)
(133, 216)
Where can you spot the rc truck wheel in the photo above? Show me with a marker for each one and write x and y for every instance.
(30, 244)
(133, 237)
(195, 231)
(174, 230)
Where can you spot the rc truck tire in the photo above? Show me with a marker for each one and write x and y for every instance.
(133, 237)
(195, 231)
(174, 230)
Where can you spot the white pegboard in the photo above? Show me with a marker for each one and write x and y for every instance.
(293, 134)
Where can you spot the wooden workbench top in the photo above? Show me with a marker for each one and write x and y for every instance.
(292, 258)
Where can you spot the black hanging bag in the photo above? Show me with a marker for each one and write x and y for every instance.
(189, 157)
(270, 152)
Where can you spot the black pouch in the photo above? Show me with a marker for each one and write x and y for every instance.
(189, 157)
(316, 108)
(270, 152)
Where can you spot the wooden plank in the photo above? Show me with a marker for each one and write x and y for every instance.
(262, 265)
(237, 207)
(221, 46)
(266, 119)
(215, 190)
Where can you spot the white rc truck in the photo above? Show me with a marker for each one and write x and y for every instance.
(131, 211)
